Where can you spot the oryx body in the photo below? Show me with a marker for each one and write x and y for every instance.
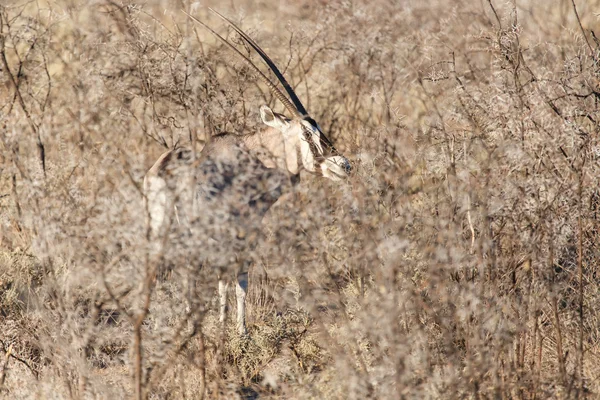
(234, 181)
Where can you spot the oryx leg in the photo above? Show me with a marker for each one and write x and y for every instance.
(241, 289)
(223, 286)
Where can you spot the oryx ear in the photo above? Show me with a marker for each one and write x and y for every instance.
(273, 119)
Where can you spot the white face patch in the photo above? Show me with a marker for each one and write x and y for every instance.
(335, 168)
(308, 160)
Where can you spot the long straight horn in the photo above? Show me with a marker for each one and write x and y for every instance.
(284, 100)
(269, 62)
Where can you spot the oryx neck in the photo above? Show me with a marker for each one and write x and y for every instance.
(274, 149)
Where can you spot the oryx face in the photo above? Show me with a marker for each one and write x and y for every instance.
(318, 154)
(304, 139)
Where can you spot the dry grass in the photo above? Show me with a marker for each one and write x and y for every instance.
(459, 261)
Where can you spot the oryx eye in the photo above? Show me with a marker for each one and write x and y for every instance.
(306, 134)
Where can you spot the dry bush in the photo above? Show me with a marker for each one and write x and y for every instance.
(460, 260)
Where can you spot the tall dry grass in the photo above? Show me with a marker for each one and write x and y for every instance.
(459, 261)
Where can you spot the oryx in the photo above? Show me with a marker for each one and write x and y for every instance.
(237, 178)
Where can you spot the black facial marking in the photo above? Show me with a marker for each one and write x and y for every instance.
(312, 122)
(311, 144)
(324, 140)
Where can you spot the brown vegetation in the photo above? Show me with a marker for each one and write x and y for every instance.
(460, 260)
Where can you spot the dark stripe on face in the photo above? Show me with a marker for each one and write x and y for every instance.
(325, 143)
(317, 158)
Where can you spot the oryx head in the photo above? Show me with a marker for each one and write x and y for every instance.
(316, 152)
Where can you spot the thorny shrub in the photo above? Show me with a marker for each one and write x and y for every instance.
(460, 260)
